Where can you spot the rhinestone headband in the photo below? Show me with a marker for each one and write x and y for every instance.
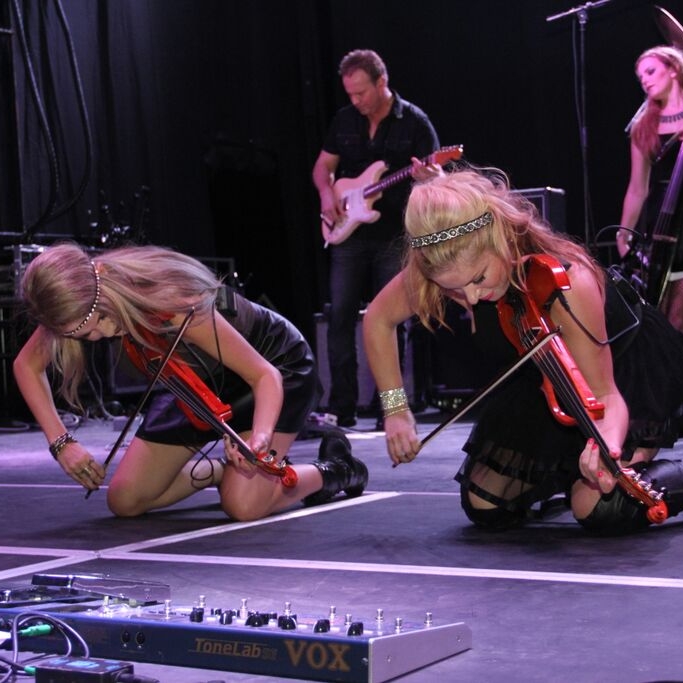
(94, 305)
(450, 233)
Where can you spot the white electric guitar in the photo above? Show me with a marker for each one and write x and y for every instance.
(357, 195)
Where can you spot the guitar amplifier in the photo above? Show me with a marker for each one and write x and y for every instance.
(551, 204)
(449, 378)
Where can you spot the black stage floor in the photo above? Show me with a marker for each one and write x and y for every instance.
(545, 603)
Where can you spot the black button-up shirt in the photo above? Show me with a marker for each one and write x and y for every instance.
(405, 132)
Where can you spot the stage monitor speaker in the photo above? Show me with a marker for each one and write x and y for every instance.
(551, 204)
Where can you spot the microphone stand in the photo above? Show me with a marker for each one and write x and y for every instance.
(581, 13)
(577, 10)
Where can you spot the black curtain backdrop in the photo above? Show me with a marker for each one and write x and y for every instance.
(219, 107)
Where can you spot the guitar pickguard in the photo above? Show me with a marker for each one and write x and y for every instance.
(357, 210)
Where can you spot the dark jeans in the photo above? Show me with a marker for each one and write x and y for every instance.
(359, 268)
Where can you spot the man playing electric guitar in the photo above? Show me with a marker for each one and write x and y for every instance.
(653, 203)
(377, 126)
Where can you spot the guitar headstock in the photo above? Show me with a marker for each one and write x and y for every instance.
(444, 154)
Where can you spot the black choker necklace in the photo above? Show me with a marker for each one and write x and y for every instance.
(670, 118)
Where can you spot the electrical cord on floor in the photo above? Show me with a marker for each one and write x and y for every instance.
(9, 670)
(21, 627)
(70, 420)
(13, 427)
(30, 624)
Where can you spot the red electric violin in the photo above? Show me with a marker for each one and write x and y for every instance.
(203, 408)
(525, 319)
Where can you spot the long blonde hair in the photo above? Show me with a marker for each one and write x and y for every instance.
(139, 287)
(515, 231)
(644, 130)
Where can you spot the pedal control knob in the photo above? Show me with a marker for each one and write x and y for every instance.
(355, 628)
(287, 622)
(256, 619)
(197, 614)
(322, 626)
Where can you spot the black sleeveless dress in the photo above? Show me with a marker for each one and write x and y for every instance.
(516, 434)
(279, 342)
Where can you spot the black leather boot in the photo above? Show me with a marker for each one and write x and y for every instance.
(339, 469)
(667, 476)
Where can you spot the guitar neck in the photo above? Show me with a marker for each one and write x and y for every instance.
(438, 157)
(588, 429)
(386, 182)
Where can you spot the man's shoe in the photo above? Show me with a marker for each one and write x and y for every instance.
(346, 420)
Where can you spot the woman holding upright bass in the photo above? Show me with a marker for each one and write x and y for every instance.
(649, 240)
(253, 360)
(472, 241)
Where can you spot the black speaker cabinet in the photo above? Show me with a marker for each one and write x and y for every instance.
(454, 367)
(551, 204)
(366, 383)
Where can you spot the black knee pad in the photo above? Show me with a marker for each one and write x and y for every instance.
(619, 513)
(494, 519)
(616, 513)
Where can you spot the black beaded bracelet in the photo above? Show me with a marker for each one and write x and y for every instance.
(57, 446)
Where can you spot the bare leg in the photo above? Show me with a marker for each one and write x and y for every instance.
(153, 475)
(255, 494)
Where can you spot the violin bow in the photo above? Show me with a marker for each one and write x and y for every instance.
(488, 388)
(145, 395)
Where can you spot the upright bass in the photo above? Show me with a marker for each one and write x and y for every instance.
(650, 261)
